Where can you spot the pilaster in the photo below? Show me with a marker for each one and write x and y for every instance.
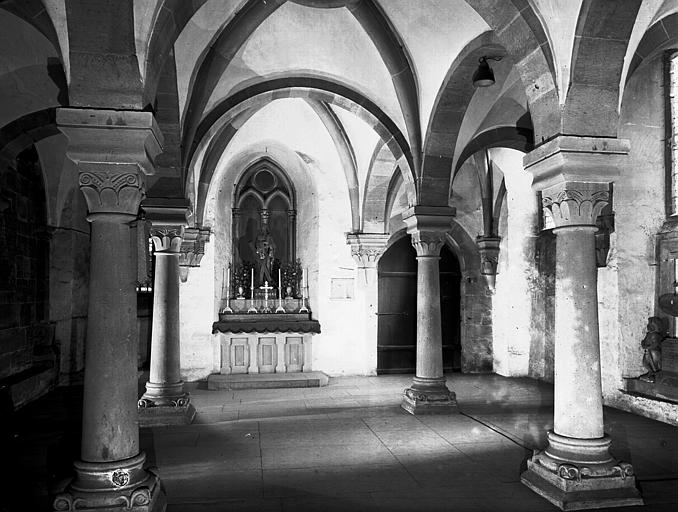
(366, 249)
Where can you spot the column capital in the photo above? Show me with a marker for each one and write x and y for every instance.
(168, 218)
(428, 243)
(367, 248)
(113, 150)
(569, 158)
(488, 246)
(427, 225)
(192, 249)
(575, 203)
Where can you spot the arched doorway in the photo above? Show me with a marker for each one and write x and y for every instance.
(397, 312)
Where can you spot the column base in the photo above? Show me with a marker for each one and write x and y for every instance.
(164, 394)
(580, 474)
(160, 411)
(112, 487)
(429, 396)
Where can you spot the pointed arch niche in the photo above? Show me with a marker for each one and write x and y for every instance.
(264, 204)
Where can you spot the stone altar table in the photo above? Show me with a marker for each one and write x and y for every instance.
(261, 343)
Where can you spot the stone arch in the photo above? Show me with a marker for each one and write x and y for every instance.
(217, 129)
(601, 39)
(34, 13)
(660, 36)
(504, 136)
(520, 32)
(382, 167)
(234, 34)
(170, 19)
(346, 154)
(448, 113)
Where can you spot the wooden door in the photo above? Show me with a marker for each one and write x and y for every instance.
(397, 309)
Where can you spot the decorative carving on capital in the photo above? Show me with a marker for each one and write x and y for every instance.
(488, 246)
(428, 243)
(109, 191)
(575, 204)
(167, 239)
(192, 249)
(367, 248)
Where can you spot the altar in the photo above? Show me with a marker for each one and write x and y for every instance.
(265, 324)
(264, 342)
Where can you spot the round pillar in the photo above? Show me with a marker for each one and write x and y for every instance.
(428, 392)
(578, 401)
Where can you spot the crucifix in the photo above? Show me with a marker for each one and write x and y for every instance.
(266, 289)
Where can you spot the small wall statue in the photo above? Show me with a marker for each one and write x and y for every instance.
(657, 332)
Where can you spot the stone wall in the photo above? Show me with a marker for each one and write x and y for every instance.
(27, 351)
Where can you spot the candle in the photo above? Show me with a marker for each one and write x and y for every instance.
(252, 286)
(228, 282)
(279, 285)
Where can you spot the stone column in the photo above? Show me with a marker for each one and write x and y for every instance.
(576, 470)
(165, 402)
(366, 249)
(428, 393)
(113, 151)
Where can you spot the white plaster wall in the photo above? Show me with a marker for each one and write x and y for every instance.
(511, 303)
(196, 306)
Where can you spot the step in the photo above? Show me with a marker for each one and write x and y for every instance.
(267, 380)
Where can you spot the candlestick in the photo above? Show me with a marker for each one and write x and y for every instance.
(227, 309)
(279, 285)
(252, 286)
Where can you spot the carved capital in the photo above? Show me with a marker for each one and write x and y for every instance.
(575, 203)
(367, 248)
(113, 151)
(167, 239)
(428, 243)
(192, 250)
(488, 246)
(108, 191)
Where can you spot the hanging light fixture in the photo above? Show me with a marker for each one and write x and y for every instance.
(484, 76)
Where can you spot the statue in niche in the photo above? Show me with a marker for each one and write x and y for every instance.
(652, 358)
(265, 250)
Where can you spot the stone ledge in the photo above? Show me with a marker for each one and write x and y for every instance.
(267, 380)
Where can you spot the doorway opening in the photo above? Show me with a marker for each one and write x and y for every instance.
(397, 310)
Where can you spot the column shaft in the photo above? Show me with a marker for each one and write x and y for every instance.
(165, 362)
(429, 333)
(578, 404)
(109, 422)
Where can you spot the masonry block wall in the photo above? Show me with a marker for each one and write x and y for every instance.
(27, 353)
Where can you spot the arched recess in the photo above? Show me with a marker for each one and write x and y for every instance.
(233, 35)
(264, 210)
(520, 32)
(601, 40)
(214, 133)
(446, 119)
(397, 314)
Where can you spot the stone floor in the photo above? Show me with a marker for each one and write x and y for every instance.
(345, 447)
